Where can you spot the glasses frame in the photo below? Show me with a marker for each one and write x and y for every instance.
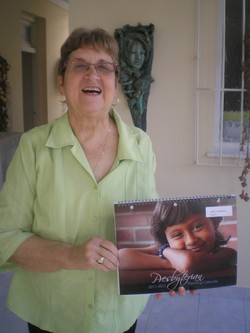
(88, 64)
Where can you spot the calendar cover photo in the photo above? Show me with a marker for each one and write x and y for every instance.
(167, 243)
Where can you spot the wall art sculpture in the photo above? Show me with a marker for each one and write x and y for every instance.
(135, 61)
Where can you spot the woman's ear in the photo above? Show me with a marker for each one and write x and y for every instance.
(60, 84)
(61, 96)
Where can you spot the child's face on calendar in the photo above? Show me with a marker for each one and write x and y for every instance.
(196, 234)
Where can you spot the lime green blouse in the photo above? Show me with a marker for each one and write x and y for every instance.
(50, 191)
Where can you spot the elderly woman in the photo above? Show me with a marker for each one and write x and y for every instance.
(56, 206)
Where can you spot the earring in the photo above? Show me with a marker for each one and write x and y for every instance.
(61, 98)
(116, 101)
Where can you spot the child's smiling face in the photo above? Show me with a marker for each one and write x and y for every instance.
(196, 234)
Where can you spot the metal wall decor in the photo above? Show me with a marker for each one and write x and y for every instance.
(245, 137)
(135, 61)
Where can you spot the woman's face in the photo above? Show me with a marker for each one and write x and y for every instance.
(89, 89)
(137, 55)
(196, 234)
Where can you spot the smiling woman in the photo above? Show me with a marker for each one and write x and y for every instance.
(88, 79)
(56, 216)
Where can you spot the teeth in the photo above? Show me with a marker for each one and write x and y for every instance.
(92, 90)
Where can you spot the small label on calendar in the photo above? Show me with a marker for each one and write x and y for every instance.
(217, 211)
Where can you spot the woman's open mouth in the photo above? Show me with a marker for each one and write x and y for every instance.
(92, 90)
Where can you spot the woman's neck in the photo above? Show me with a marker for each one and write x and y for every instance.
(99, 141)
(86, 128)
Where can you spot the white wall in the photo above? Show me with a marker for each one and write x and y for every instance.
(171, 106)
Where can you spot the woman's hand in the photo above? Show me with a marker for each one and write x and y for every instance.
(96, 253)
(181, 292)
(37, 254)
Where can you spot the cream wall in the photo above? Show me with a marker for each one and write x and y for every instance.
(10, 48)
(171, 106)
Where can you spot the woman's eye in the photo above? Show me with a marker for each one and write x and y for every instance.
(102, 68)
(81, 67)
(105, 68)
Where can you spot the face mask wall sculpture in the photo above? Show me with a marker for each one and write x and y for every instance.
(135, 61)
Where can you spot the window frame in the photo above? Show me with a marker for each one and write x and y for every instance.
(217, 151)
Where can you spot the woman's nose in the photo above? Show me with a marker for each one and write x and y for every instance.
(91, 71)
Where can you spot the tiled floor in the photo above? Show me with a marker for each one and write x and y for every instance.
(221, 310)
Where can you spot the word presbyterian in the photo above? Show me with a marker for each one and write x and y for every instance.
(176, 279)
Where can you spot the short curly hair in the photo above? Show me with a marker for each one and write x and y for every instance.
(97, 39)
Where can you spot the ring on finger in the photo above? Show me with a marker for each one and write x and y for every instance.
(101, 260)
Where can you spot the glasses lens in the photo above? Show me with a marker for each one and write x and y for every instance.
(77, 65)
(104, 68)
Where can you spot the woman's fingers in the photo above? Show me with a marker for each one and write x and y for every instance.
(104, 253)
(95, 253)
(183, 292)
(108, 254)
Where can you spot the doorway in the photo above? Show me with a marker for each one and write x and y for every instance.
(28, 91)
(34, 71)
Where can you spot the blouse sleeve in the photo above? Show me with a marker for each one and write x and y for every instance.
(16, 201)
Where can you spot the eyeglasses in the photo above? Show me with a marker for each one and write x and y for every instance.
(102, 68)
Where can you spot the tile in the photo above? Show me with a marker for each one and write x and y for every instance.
(143, 319)
(218, 310)
(224, 292)
(220, 315)
(247, 294)
(168, 302)
(142, 323)
(171, 314)
(5, 279)
(247, 315)
(9, 323)
(150, 303)
(4, 286)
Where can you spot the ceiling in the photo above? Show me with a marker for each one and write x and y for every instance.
(61, 3)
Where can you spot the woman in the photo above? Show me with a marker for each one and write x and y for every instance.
(56, 207)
